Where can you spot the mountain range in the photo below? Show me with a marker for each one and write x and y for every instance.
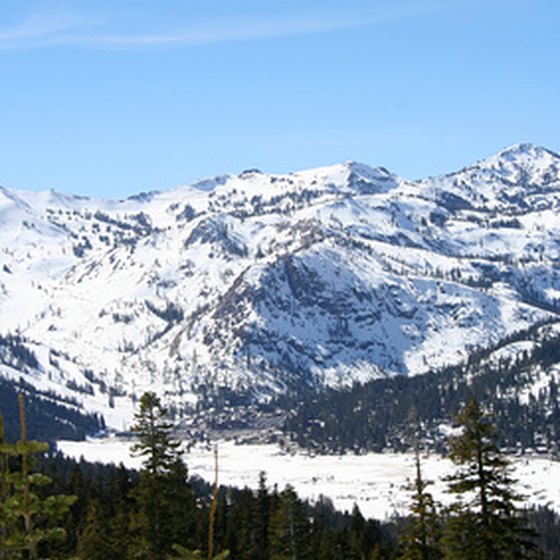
(257, 285)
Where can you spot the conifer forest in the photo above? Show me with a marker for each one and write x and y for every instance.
(54, 507)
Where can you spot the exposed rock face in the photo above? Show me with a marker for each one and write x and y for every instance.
(262, 283)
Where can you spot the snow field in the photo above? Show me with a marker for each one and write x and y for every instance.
(376, 482)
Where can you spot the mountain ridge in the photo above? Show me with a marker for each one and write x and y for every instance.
(258, 284)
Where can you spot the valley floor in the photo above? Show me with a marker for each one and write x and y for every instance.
(375, 481)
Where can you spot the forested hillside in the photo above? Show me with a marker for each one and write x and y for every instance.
(49, 416)
(92, 512)
(517, 381)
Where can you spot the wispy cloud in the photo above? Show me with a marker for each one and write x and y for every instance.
(41, 31)
(38, 29)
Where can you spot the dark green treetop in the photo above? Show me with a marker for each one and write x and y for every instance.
(485, 522)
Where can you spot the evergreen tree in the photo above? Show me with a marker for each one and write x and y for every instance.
(119, 534)
(119, 506)
(289, 529)
(356, 534)
(153, 431)
(26, 518)
(260, 518)
(163, 499)
(484, 522)
(95, 541)
(421, 539)
(324, 517)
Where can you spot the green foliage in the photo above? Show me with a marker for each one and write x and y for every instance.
(546, 523)
(28, 517)
(153, 430)
(331, 535)
(421, 538)
(114, 509)
(158, 521)
(484, 522)
(257, 528)
(289, 528)
(93, 543)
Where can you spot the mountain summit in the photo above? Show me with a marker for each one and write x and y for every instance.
(257, 284)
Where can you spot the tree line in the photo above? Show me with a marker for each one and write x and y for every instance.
(373, 416)
(52, 507)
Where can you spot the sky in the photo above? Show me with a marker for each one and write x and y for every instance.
(110, 99)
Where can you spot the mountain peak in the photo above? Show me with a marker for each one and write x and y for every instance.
(525, 149)
(365, 169)
(524, 163)
(317, 277)
(370, 180)
(210, 183)
(520, 164)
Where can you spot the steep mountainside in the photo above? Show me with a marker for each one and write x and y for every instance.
(259, 284)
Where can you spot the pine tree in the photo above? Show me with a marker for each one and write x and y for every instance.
(95, 541)
(119, 535)
(182, 553)
(484, 522)
(119, 487)
(356, 534)
(289, 529)
(321, 538)
(260, 518)
(154, 437)
(26, 519)
(163, 499)
(421, 539)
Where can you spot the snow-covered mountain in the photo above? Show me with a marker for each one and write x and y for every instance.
(256, 284)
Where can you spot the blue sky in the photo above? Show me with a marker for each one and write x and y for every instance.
(112, 98)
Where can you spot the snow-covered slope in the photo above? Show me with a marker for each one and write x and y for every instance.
(256, 284)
